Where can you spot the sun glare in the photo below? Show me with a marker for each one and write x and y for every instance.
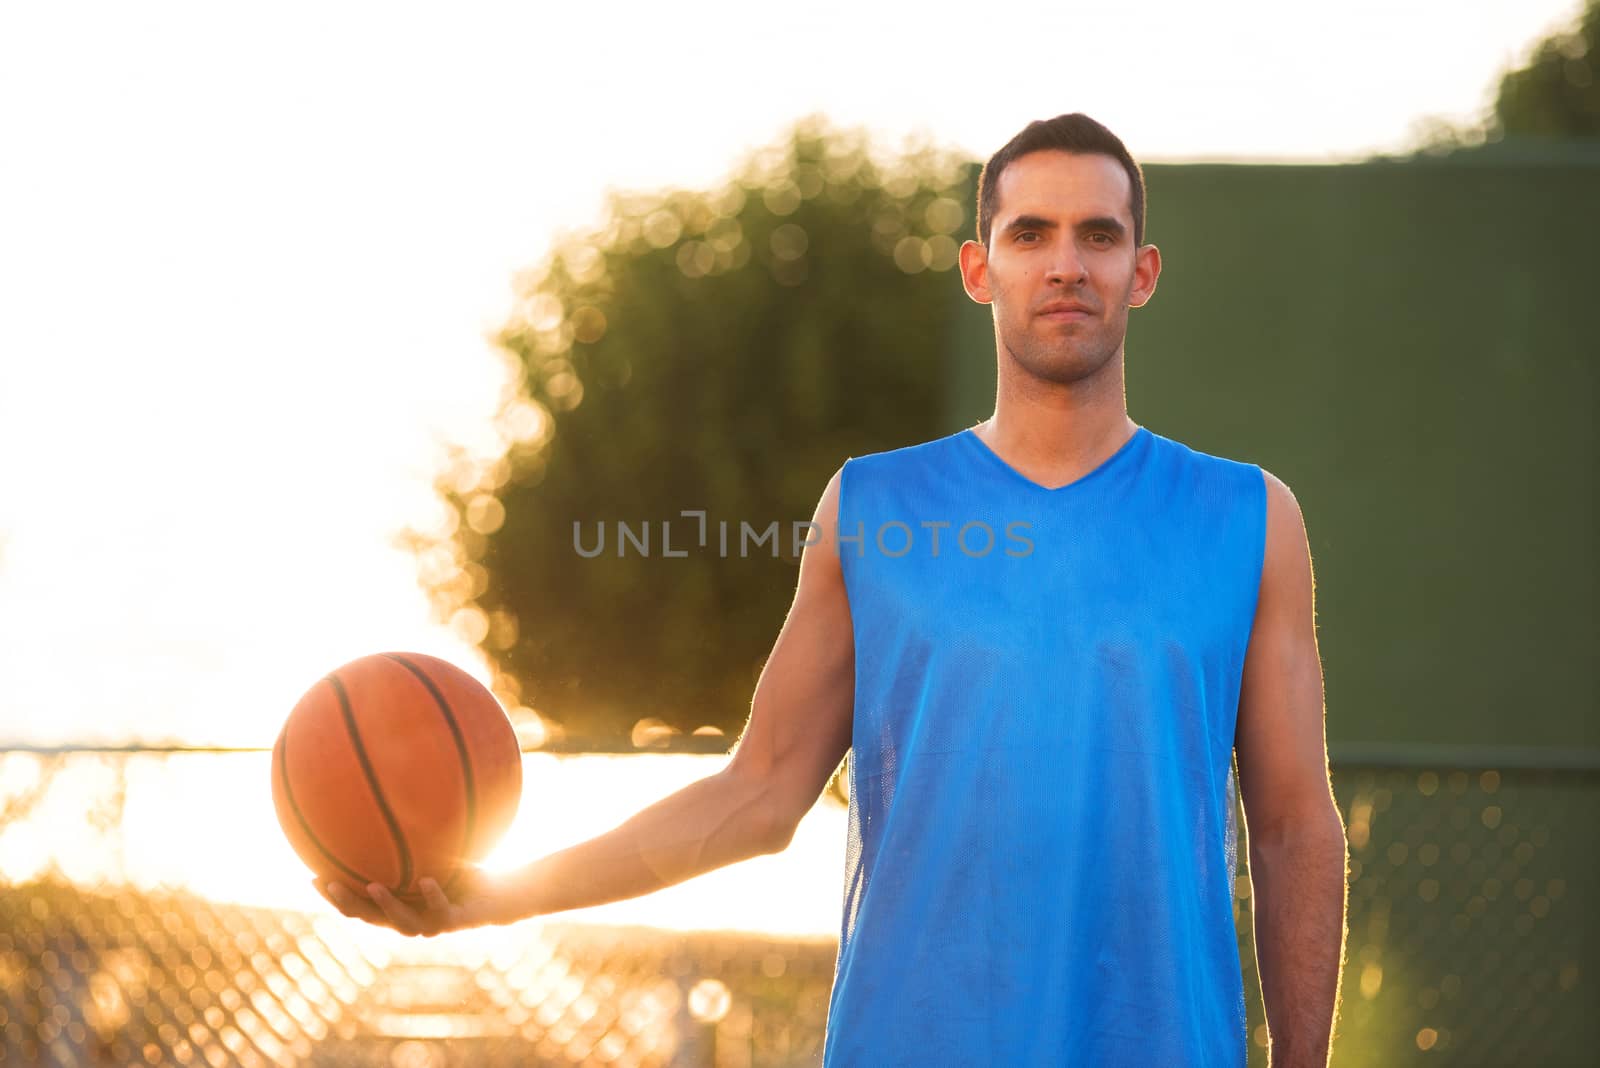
(205, 824)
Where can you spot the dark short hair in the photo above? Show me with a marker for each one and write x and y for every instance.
(1076, 133)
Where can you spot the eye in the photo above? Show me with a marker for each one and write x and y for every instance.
(1102, 238)
(1027, 237)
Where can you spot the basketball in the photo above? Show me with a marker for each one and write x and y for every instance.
(394, 768)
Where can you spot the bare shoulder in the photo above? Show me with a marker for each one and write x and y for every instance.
(822, 545)
(827, 513)
(1280, 498)
(1288, 553)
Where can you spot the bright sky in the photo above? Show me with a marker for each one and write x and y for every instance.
(248, 255)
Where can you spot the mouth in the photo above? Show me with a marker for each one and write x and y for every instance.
(1064, 313)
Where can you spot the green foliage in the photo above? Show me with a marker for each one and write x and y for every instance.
(721, 351)
(1556, 97)
(1558, 93)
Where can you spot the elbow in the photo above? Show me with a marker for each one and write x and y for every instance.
(778, 835)
(1316, 825)
(767, 822)
(778, 825)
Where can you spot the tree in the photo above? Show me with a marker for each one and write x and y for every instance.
(1557, 94)
(722, 351)
(1555, 97)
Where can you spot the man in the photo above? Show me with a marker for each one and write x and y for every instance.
(1043, 708)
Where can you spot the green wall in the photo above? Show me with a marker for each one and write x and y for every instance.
(1411, 347)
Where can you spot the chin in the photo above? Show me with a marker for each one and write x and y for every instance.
(1063, 371)
(1057, 365)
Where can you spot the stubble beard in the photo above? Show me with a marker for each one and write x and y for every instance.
(1069, 356)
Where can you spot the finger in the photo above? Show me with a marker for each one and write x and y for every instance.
(344, 899)
(401, 917)
(434, 895)
(322, 889)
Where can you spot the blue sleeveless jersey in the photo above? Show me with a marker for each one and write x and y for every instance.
(1041, 844)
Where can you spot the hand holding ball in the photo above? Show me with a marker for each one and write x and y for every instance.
(395, 768)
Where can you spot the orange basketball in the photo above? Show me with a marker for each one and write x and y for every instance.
(395, 767)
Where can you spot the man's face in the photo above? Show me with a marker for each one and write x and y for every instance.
(1061, 268)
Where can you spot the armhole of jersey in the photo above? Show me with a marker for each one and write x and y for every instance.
(1258, 558)
(845, 567)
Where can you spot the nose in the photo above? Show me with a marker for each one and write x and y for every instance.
(1066, 266)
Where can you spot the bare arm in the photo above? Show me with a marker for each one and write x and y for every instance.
(1297, 846)
(798, 732)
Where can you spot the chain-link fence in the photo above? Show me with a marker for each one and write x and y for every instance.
(1472, 893)
(1471, 943)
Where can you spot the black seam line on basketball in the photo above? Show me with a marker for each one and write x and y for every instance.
(300, 817)
(372, 780)
(461, 747)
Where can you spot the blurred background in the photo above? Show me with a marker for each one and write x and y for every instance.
(320, 327)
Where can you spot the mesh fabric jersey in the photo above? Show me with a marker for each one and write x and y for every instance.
(1041, 838)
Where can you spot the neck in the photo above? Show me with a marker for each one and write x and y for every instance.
(1055, 432)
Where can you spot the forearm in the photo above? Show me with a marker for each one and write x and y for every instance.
(1297, 879)
(708, 824)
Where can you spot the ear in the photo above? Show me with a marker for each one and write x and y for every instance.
(1146, 269)
(975, 272)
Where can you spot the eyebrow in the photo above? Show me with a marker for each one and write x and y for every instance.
(1030, 222)
(1103, 222)
(1107, 223)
